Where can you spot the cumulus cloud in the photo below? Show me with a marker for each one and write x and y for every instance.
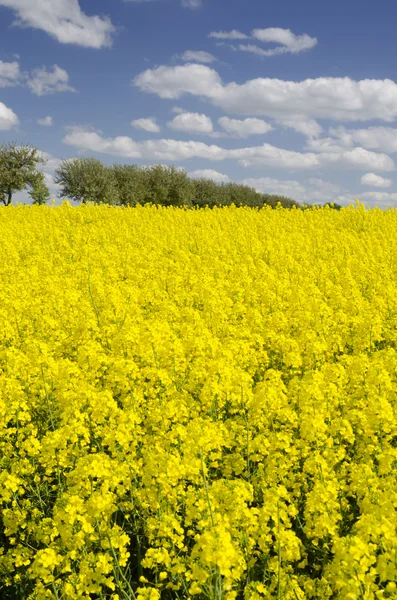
(191, 4)
(268, 155)
(148, 124)
(10, 74)
(288, 42)
(41, 81)
(269, 185)
(52, 162)
(209, 174)
(228, 35)
(45, 121)
(308, 127)
(198, 56)
(373, 138)
(174, 82)
(375, 180)
(162, 149)
(335, 98)
(383, 199)
(44, 82)
(326, 144)
(8, 119)
(184, 3)
(253, 48)
(319, 190)
(255, 156)
(52, 186)
(244, 127)
(63, 20)
(191, 123)
(315, 191)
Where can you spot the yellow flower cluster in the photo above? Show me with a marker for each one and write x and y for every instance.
(198, 403)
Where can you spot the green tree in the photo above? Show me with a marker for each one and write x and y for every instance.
(86, 180)
(130, 184)
(155, 180)
(39, 192)
(206, 192)
(168, 186)
(18, 169)
(334, 205)
(180, 188)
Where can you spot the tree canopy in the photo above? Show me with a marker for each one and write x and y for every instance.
(89, 180)
(18, 171)
(86, 180)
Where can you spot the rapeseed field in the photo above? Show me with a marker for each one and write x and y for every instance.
(198, 403)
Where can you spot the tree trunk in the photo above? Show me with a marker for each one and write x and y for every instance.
(9, 196)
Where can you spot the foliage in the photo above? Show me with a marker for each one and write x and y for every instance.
(198, 403)
(334, 205)
(18, 171)
(130, 184)
(86, 180)
(206, 192)
(167, 186)
(39, 191)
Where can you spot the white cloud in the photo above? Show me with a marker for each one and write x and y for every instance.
(373, 138)
(308, 127)
(315, 191)
(198, 56)
(268, 185)
(10, 74)
(191, 3)
(381, 199)
(375, 180)
(162, 149)
(177, 110)
(191, 123)
(244, 127)
(371, 199)
(52, 186)
(327, 144)
(174, 82)
(184, 3)
(8, 119)
(334, 98)
(228, 35)
(268, 155)
(253, 48)
(320, 190)
(44, 82)
(45, 121)
(63, 20)
(289, 42)
(148, 124)
(255, 156)
(209, 174)
(52, 162)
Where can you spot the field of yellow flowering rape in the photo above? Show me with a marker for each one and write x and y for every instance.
(198, 403)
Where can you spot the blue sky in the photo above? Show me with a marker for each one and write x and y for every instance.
(291, 98)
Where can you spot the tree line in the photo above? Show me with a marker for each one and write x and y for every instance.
(89, 180)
